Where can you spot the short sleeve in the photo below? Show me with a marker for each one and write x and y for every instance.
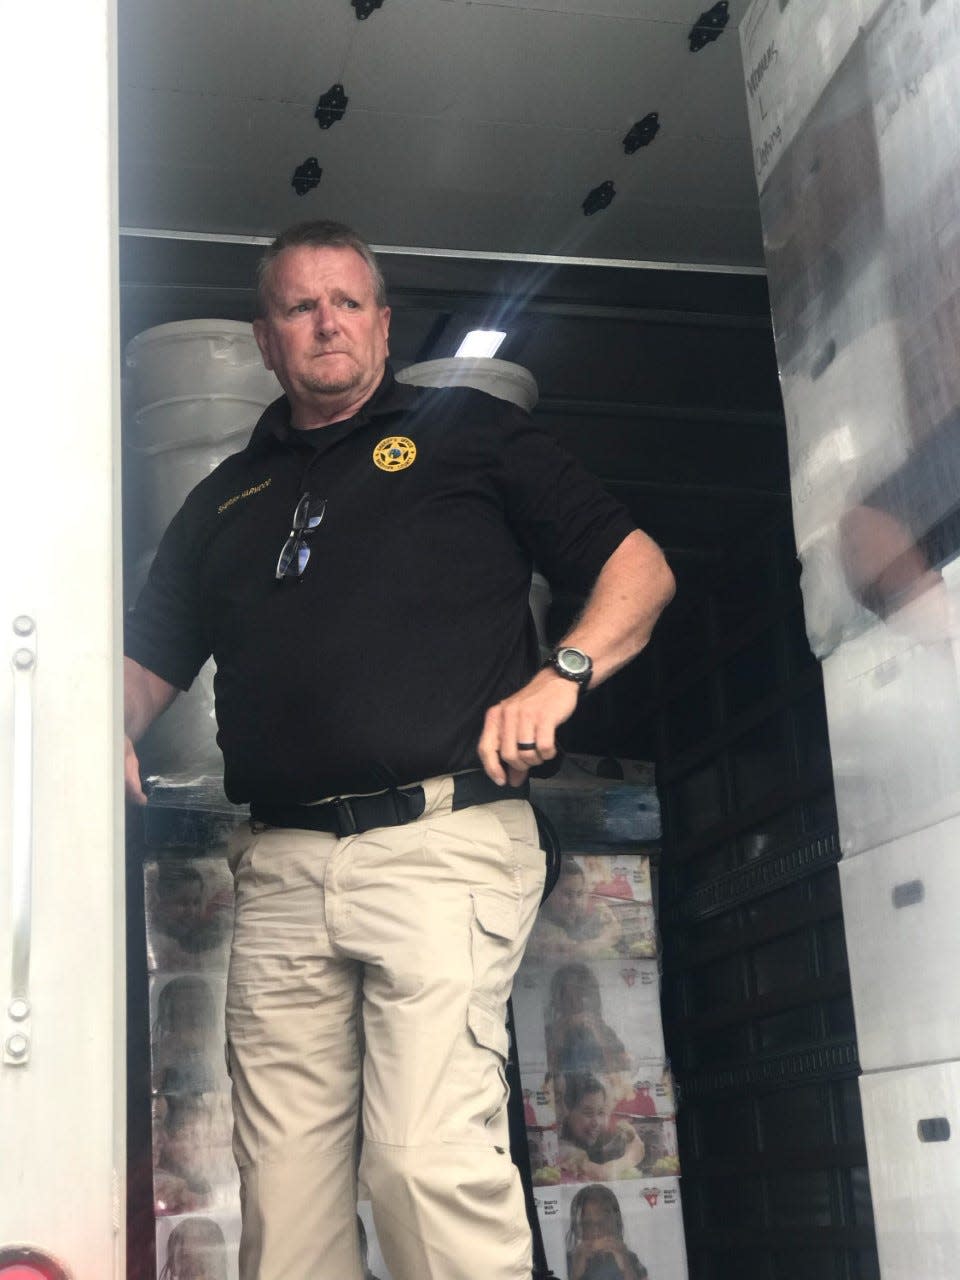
(560, 513)
(163, 630)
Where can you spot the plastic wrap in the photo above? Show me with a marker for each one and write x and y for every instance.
(597, 813)
(598, 1015)
(893, 703)
(189, 915)
(860, 204)
(614, 1231)
(598, 1095)
(862, 236)
(601, 906)
(790, 55)
(858, 201)
(200, 1244)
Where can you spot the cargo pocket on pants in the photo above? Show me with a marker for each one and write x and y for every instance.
(496, 924)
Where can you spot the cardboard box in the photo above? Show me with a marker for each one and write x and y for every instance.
(211, 1240)
(189, 914)
(601, 906)
(900, 905)
(637, 1225)
(912, 1124)
(599, 1015)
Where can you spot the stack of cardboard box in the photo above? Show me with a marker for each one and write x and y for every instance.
(598, 1094)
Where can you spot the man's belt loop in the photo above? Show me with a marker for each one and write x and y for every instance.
(408, 805)
(344, 817)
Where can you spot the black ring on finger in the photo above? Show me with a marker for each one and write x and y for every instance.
(526, 746)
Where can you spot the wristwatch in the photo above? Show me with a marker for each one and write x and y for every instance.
(572, 664)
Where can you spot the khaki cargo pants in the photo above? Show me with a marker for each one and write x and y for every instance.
(370, 974)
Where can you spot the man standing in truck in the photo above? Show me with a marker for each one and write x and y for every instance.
(360, 573)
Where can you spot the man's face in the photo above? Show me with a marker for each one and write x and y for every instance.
(323, 335)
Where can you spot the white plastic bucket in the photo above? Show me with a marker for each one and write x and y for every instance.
(168, 473)
(193, 420)
(500, 378)
(197, 358)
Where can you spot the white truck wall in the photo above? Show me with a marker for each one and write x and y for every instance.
(62, 1083)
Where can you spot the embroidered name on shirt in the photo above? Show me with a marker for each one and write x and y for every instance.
(247, 493)
(394, 453)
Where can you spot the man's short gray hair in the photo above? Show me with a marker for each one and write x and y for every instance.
(319, 234)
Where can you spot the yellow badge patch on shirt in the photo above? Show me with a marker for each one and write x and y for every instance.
(395, 453)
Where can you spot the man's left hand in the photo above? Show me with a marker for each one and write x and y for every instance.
(520, 732)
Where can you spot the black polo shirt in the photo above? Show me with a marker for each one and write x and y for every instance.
(376, 667)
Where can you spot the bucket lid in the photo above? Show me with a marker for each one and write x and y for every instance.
(500, 378)
(186, 330)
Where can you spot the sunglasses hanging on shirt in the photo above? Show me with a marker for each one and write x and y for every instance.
(296, 550)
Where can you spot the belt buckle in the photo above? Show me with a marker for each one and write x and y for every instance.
(344, 817)
(408, 803)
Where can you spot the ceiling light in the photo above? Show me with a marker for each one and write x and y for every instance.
(481, 342)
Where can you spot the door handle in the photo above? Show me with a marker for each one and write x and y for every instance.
(23, 660)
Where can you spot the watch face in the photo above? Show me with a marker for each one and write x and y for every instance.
(574, 661)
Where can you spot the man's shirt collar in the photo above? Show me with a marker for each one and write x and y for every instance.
(389, 397)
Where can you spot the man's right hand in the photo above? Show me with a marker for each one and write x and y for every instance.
(145, 696)
(131, 773)
(531, 715)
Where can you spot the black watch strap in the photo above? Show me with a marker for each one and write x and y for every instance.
(573, 664)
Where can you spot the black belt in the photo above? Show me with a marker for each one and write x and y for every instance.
(351, 815)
